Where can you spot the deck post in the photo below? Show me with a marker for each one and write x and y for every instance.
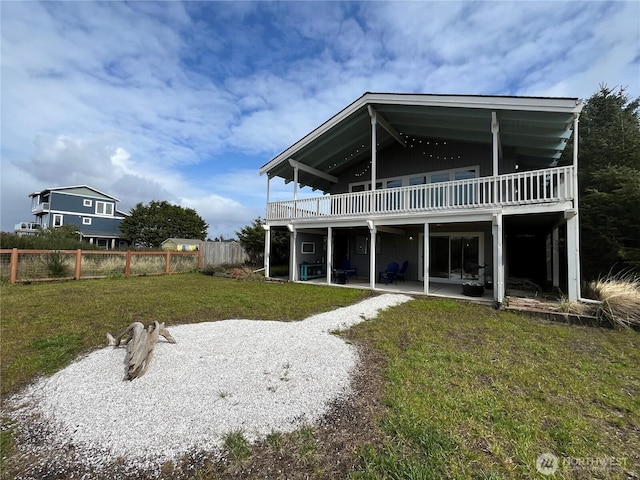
(555, 256)
(374, 150)
(574, 224)
(498, 259)
(495, 130)
(573, 258)
(425, 259)
(267, 250)
(372, 254)
(329, 259)
(294, 262)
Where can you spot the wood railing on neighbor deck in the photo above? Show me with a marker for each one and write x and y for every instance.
(19, 265)
(538, 186)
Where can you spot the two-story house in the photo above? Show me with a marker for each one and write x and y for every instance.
(93, 212)
(463, 188)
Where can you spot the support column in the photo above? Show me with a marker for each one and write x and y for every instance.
(574, 225)
(372, 254)
(374, 150)
(295, 183)
(267, 250)
(329, 258)
(425, 259)
(495, 130)
(498, 259)
(293, 239)
(573, 259)
(555, 255)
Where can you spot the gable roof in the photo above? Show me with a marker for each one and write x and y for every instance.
(537, 128)
(85, 190)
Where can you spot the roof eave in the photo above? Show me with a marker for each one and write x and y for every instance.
(486, 102)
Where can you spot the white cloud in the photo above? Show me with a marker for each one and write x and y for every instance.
(185, 101)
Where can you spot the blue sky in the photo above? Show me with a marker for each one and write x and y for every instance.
(184, 102)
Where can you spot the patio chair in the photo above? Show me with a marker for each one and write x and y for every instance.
(403, 269)
(346, 266)
(390, 274)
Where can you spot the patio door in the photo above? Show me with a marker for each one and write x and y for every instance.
(454, 257)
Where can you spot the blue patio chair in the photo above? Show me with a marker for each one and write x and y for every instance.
(403, 269)
(390, 274)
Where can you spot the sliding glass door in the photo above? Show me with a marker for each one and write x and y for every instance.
(455, 257)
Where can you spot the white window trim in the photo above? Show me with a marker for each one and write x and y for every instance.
(86, 220)
(57, 216)
(87, 202)
(405, 179)
(104, 206)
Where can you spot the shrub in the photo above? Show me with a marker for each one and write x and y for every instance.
(620, 297)
(56, 264)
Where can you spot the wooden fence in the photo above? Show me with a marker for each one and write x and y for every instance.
(219, 253)
(19, 265)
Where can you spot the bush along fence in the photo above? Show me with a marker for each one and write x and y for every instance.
(40, 265)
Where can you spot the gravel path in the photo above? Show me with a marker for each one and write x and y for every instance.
(220, 377)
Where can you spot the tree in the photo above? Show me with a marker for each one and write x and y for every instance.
(252, 237)
(609, 183)
(150, 225)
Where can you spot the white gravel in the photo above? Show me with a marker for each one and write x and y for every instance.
(255, 377)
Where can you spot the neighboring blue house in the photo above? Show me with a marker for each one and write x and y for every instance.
(93, 212)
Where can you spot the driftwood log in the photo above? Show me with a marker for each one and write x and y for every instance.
(140, 344)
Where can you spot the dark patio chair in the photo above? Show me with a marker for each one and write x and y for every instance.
(346, 266)
(403, 269)
(390, 274)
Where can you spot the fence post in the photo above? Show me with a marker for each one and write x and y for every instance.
(199, 259)
(13, 269)
(167, 262)
(127, 264)
(78, 264)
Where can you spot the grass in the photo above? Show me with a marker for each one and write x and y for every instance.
(447, 389)
(475, 393)
(46, 325)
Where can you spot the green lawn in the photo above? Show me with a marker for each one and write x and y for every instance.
(467, 391)
(476, 393)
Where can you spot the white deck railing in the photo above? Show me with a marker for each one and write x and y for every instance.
(538, 186)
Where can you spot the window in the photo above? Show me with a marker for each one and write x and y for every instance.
(86, 221)
(308, 247)
(104, 208)
(57, 220)
(87, 202)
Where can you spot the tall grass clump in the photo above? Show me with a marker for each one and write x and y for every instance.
(620, 298)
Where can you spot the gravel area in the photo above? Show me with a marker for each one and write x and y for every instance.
(255, 377)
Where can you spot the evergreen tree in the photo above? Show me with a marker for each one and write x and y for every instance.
(609, 183)
(150, 225)
(252, 238)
